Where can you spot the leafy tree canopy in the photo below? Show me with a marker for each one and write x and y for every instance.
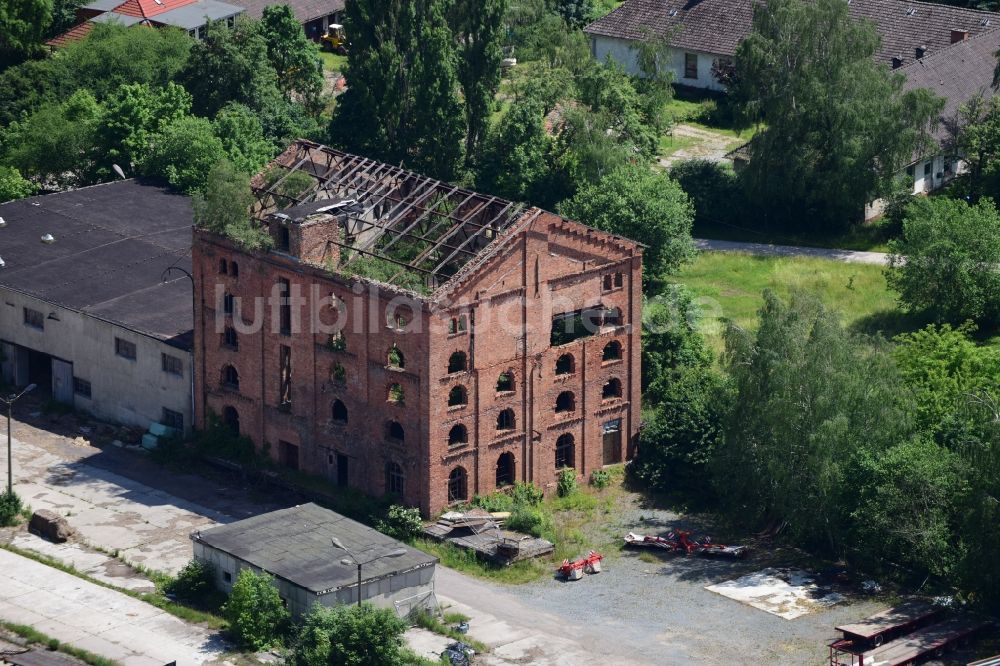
(13, 185)
(223, 206)
(839, 125)
(256, 615)
(294, 57)
(349, 636)
(946, 261)
(184, 153)
(132, 116)
(242, 136)
(978, 141)
(639, 203)
(22, 26)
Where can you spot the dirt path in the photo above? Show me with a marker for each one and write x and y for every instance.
(767, 250)
(705, 145)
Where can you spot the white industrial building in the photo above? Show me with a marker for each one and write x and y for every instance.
(85, 313)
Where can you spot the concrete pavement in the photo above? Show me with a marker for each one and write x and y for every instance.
(97, 619)
(768, 250)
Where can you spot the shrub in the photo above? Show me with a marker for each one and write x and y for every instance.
(521, 494)
(714, 191)
(528, 520)
(401, 522)
(349, 636)
(527, 494)
(600, 478)
(257, 617)
(566, 484)
(10, 508)
(194, 584)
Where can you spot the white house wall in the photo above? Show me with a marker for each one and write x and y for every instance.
(122, 390)
(624, 52)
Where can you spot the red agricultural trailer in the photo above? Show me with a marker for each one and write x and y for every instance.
(680, 541)
(905, 634)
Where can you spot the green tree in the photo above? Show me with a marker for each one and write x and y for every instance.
(63, 17)
(242, 136)
(223, 207)
(515, 162)
(576, 13)
(54, 145)
(839, 125)
(946, 262)
(808, 397)
(13, 185)
(22, 27)
(257, 617)
(401, 104)
(640, 203)
(133, 116)
(478, 27)
(584, 151)
(230, 65)
(293, 56)
(184, 153)
(978, 141)
(349, 636)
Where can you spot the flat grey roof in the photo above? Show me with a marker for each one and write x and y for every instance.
(294, 544)
(112, 244)
(197, 14)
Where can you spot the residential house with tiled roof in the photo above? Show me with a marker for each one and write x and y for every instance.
(189, 15)
(314, 15)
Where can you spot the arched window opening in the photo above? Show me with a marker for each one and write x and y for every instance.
(612, 317)
(395, 481)
(231, 418)
(458, 435)
(223, 266)
(565, 451)
(394, 432)
(612, 351)
(458, 362)
(339, 412)
(607, 282)
(228, 303)
(396, 394)
(565, 402)
(458, 487)
(338, 373)
(458, 396)
(506, 420)
(231, 339)
(395, 358)
(505, 382)
(565, 364)
(234, 269)
(505, 470)
(612, 390)
(231, 378)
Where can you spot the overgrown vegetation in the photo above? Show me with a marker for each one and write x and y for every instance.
(256, 614)
(35, 637)
(10, 508)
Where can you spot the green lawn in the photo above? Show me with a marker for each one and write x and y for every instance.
(333, 62)
(730, 286)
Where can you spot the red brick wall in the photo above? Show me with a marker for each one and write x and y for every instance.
(508, 303)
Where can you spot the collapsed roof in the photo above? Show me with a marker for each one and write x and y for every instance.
(413, 226)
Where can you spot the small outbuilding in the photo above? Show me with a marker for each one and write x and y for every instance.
(295, 545)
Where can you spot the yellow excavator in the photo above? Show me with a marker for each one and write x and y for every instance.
(335, 40)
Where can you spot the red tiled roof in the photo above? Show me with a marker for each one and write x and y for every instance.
(148, 8)
(74, 34)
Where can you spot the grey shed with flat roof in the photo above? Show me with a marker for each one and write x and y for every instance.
(294, 545)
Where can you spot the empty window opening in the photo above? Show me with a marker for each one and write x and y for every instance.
(231, 419)
(230, 378)
(396, 394)
(619, 280)
(230, 338)
(611, 317)
(81, 387)
(284, 239)
(394, 479)
(506, 420)
(565, 364)
(336, 342)
(611, 441)
(338, 412)
(228, 303)
(565, 402)
(394, 432)
(285, 395)
(457, 325)
(234, 269)
(457, 362)
(223, 266)
(607, 284)
(34, 319)
(505, 470)
(612, 390)
(288, 454)
(398, 316)
(458, 396)
(338, 373)
(505, 382)
(612, 351)
(458, 435)
(285, 307)
(458, 490)
(396, 359)
(565, 451)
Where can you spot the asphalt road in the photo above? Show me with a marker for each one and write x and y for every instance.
(768, 250)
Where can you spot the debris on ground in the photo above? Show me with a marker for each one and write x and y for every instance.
(680, 541)
(482, 532)
(787, 593)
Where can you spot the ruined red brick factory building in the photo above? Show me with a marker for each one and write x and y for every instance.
(410, 337)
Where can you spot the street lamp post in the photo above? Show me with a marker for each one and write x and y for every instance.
(9, 401)
(336, 543)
